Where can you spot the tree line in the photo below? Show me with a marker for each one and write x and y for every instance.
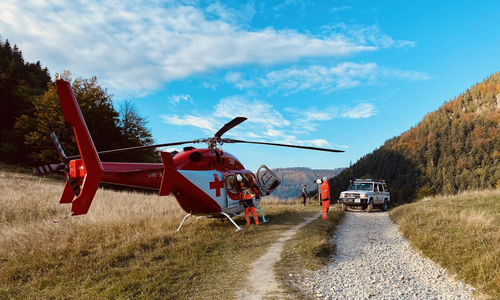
(30, 111)
(453, 149)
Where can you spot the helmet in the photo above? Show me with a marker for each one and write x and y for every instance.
(325, 179)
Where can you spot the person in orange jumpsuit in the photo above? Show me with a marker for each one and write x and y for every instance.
(325, 197)
(246, 197)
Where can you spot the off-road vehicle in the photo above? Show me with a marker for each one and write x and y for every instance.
(366, 193)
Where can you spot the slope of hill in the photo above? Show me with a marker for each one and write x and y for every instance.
(292, 180)
(453, 149)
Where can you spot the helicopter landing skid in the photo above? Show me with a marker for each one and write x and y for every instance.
(264, 220)
(183, 220)
(238, 228)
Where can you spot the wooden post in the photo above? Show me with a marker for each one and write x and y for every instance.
(318, 181)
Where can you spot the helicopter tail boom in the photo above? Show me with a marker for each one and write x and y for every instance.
(91, 164)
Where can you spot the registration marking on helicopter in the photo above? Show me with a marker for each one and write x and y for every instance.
(155, 175)
(216, 185)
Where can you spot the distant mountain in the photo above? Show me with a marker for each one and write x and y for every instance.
(453, 149)
(292, 180)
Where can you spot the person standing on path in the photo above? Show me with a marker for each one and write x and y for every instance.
(325, 197)
(303, 194)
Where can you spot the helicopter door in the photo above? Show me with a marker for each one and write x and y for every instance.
(267, 180)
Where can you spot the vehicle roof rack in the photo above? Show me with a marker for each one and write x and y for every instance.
(369, 179)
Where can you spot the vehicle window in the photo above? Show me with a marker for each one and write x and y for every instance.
(362, 187)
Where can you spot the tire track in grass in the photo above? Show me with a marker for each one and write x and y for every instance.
(262, 282)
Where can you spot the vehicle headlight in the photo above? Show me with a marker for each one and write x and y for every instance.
(363, 195)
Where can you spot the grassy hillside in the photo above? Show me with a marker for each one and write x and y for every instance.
(453, 149)
(127, 245)
(461, 233)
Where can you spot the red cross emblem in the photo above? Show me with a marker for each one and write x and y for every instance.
(216, 185)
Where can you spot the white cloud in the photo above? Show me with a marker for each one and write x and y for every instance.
(136, 46)
(363, 110)
(257, 111)
(323, 78)
(176, 99)
(307, 120)
(317, 142)
(366, 35)
(230, 15)
(401, 74)
(203, 122)
(236, 78)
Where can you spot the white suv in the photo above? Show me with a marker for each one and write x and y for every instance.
(366, 193)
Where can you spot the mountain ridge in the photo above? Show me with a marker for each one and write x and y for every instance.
(292, 180)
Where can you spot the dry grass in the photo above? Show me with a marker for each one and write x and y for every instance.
(125, 247)
(461, 233)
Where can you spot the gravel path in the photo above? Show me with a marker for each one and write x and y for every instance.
(374, 261)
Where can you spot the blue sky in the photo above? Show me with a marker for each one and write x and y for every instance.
(337, 74)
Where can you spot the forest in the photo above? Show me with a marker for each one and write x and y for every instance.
(30, 111)
(453, 149)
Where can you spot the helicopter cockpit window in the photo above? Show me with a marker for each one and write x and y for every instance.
(231, 184)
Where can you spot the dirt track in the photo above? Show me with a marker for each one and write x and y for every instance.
(262, 282)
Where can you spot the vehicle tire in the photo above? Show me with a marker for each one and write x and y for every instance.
(369, 209)
(384, 206)
(344, 207)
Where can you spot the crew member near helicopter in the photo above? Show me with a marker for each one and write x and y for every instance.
(325, 197)
(246, 196)
(303, 194)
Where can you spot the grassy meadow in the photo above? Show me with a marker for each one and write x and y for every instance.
(127, 245)
(461, 233)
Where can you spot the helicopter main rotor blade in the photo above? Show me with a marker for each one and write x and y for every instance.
(233, 123)
(140, 147)
(283, 145)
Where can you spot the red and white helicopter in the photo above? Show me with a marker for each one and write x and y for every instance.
(204, 181)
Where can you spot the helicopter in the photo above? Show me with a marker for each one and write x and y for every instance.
(204, 181)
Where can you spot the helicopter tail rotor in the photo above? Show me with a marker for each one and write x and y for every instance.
(47, 169)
